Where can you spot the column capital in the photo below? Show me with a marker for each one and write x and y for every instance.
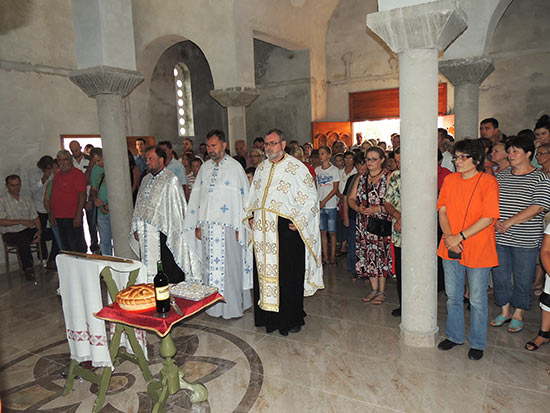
(235, 96)
(106, 80)
(432, 25)
(471, 70)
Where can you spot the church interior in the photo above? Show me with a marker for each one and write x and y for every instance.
(175, 69)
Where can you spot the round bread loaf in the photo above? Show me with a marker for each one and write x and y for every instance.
(137, 297)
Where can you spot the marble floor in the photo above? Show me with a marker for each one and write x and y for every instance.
(348, 358)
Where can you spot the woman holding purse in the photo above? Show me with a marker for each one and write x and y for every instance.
(373, 226)
(468, 208)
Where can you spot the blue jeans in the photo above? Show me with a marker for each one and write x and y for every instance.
(513, 278)
(328, 219)
(478, 279)
(105, 236)
(350, 258)
(55, 231)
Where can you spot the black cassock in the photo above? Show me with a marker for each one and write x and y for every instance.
(291, 283)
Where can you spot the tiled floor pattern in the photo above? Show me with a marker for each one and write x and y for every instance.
(348, 358)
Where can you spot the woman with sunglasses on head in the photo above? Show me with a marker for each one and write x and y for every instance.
(523, 199)
(468, 209)
(373, 225)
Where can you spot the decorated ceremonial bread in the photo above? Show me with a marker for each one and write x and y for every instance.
(136, 297)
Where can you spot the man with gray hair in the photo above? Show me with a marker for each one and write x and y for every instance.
(67, 203)
(19, 222)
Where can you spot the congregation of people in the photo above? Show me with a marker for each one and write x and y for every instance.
(263, 224)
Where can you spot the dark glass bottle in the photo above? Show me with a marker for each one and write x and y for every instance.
(162, 294)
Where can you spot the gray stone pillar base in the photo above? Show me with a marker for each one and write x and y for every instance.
(106, 80)
(235, 100)
(109, 85)
(466, 75)
(419, 339)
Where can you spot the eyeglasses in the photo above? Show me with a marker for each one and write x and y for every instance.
(272, 144)
(543, 153)
(461, 157)
(372, 159)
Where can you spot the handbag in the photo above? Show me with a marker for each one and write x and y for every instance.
(458, 255)
(378, 226)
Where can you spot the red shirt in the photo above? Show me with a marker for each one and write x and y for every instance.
(441, 174)
(311, 171)
(65, 191)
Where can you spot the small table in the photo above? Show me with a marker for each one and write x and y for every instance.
(79, 283)
(172, 378)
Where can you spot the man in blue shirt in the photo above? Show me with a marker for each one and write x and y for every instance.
(175, 166)
(141, 162)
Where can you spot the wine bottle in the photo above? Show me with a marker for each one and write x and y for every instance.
(162, 294)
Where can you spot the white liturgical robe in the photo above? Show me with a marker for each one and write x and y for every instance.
(160, 207)
(216, 207)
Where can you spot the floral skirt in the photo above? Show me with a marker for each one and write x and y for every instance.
(372, 252)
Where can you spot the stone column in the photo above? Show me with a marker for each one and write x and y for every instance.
(466, 75)
(235, 100)
(108, 86)
(417, 34)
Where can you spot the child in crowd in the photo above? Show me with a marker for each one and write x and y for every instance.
(328, 177)
(250, 174)
(196, 164)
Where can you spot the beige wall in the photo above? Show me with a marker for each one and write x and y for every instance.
(516, 93)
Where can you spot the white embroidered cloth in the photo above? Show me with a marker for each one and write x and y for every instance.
(79, 284)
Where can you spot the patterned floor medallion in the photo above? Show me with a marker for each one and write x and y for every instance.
(127, 392)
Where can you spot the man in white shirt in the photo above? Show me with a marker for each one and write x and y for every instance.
(447, 161)
(38, 179)
(19, 222)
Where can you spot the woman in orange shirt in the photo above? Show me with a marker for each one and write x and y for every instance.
(468, 209)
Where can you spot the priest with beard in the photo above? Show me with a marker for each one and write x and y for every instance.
(215, 231)
(283, 212)
(157, 223)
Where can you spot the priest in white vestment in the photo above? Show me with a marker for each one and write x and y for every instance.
(215, 231)
(157, 223)
(283, 211)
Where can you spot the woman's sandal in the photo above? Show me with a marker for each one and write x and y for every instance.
(380, 298)
(499, 321)
(531, 346)
(370, 297)
(515, 326)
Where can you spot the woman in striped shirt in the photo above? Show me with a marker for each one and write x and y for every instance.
(523, 199)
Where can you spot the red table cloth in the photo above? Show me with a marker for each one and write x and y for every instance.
(148, 321)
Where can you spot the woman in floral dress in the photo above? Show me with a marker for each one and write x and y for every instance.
(373, 252)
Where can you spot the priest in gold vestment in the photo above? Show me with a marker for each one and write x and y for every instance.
(283, 211)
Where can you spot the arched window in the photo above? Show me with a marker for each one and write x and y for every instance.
(184, 100)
